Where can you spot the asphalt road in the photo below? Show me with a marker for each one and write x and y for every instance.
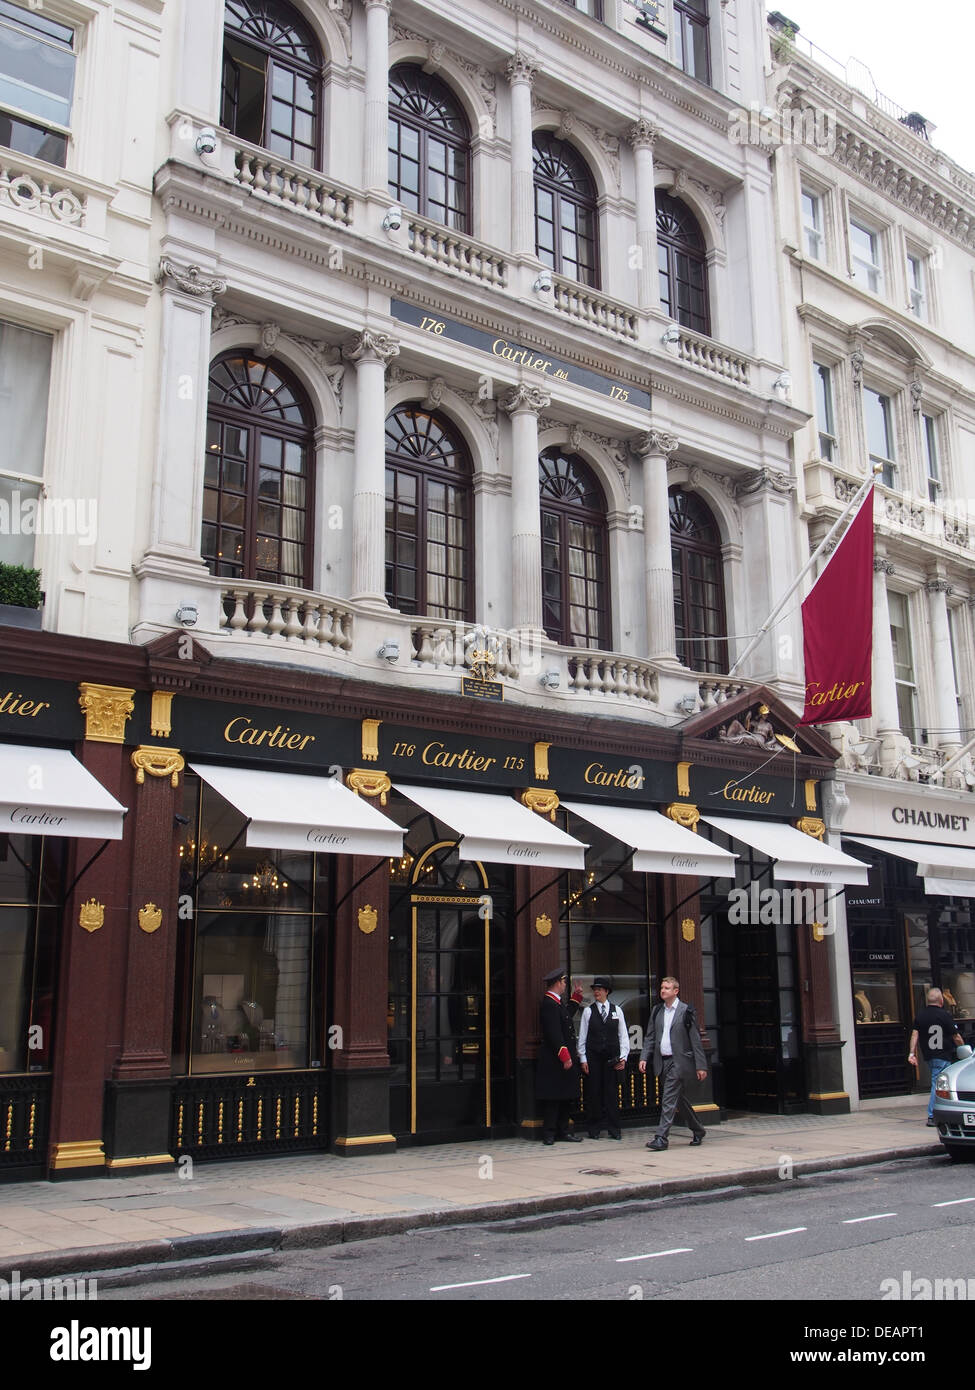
(862, 1235)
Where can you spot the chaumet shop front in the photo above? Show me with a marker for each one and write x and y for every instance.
(326, 924)
(913, 925)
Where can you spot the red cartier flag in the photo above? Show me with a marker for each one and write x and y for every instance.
(837, 628)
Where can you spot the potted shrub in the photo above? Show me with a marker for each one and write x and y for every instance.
(21, 598)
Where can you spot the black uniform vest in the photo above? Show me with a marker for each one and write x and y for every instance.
(603, 1039)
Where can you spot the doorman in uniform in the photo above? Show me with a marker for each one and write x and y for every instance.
(556, 1074)
(604, 1045)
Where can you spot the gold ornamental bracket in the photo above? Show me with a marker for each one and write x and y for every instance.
(810, 784)
(370, 740)
(368, 782)
(812, 825)
(542, 800)
(683, 781)
(158, 762)
(150, 918)
(683, 814)
(541, 761)
(91, 915)
(106, 709)
(161, 714)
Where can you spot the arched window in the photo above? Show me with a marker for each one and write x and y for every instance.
(565, 210)
(272, 80)
(575, 598)
(429, 532)
(429, 148)
(682, 260)
(257, 486)
(699, 614)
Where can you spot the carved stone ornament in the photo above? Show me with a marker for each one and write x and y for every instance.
(270, 333)
(367, 782)
(811, 825)
(543, 924)
(541, 800)
(524, 397)
(688, 929)
(158, 762)
(765, 480)
(856, 366)
(91, 915)
(435, 393)
(520, 68)
(370, 346)
(881, 565)
(106, 708)
(566, 126)
(368, 919)
(643, 134)
(191, 279)
(654, 442)
(150, 918)
(680, 814)
(939, 586)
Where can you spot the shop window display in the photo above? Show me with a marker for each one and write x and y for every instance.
(30, 877)
(875, 996)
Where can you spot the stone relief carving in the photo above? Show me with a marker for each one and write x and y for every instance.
(765, 480)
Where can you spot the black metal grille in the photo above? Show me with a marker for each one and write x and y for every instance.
(229, 1116)
(638, 1092)
(25, 1111)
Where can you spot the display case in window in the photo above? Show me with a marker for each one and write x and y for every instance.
(875, 997)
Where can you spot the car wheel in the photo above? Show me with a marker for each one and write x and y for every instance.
(959, 1153)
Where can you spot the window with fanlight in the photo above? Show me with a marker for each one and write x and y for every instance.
(575, 597)
(429, 531)
(682, 264)
(273, 74)
(699, 607)
(429, 148)
(565, 210)
(257, 493)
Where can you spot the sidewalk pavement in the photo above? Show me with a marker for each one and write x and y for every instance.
(309, 1200)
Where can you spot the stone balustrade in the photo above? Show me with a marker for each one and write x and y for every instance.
(292, 186)
(455, 252)
(287, 616)
(586, 306)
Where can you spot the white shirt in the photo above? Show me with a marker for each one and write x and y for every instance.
(621, 1022)
(670, 1013)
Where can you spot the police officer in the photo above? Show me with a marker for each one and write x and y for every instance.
(604, 1045)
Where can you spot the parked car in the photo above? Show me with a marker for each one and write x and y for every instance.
(954, 1107)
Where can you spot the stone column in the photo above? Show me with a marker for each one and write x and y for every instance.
(946, 696)
(523, 404)
(376, 137)
(520, 72)
(642, 137)
(370, 352)
(655, 448)
(884, 696)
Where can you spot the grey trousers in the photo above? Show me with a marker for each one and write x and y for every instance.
(674, 1105)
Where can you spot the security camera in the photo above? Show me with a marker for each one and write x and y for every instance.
(543, 284)
(180, 819)
(687, 704)
(393, 220)
(206, 141)
(670, 335)
(549, 680)
(187, 614)
(389, 651)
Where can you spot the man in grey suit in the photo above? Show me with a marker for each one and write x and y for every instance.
(677, 1053)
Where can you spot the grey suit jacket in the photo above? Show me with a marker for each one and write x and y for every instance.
(689, 1055)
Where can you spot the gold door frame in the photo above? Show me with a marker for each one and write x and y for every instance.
(450, 900)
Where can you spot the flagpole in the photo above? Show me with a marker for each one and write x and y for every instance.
(853, 503)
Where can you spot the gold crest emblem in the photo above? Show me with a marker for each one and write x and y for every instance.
(368, 919)
(150, 917)
(687, 929)
(543, 924)
(92, 915)
(819, 931)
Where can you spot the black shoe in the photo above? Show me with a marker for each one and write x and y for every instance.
(658, 1145)
(548, 1139)
(570, 1138)
(615, 1134)
(932, 1121)
(594, 1135)
(698, 1138)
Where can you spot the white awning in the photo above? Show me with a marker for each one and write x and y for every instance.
(288, 810)
(946, 869)
(47, 791)
(799, 858)
(498, 829)
(659, 845)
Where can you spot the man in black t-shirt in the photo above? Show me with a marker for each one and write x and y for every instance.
(939, 1037)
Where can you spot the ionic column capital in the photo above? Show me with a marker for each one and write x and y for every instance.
(881, 565)
(938, 586)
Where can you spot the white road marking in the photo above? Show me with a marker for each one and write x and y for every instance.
(771, 1235)
(956, 1203)
(504, 1279)
(681, 1250)
(881, 1216)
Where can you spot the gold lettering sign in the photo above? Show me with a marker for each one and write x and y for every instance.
(598, 775)
(734, 791)
(15, 704)
(91, 915)
(368, 919)
(241, 730)
(150, 918)
(543, 924)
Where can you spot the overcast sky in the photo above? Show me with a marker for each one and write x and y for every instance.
(919, 52)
